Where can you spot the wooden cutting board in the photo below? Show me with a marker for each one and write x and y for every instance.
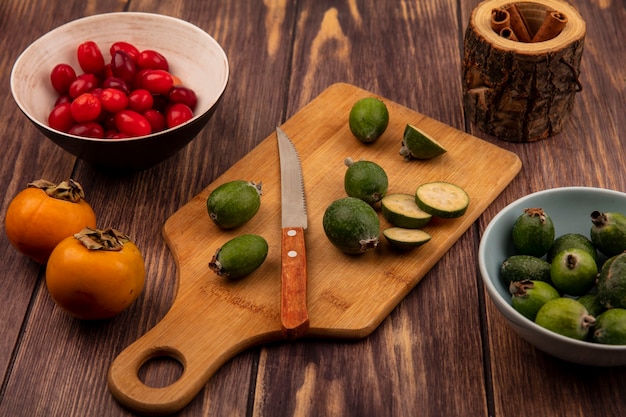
(212, 319)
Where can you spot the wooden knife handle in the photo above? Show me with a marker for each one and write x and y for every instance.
(293, 307)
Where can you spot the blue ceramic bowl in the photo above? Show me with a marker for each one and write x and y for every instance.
(570, 209)
(194, 56)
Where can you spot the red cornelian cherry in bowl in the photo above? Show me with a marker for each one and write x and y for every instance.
(159, 61)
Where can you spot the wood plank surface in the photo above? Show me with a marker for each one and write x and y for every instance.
(283, 54)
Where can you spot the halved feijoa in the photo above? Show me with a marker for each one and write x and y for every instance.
(405, 238)
(240, 256)
(442, 199)
(417, 144)
(234, 203)
(401, 210)
(351, 225)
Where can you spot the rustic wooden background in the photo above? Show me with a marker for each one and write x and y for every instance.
(444, 350)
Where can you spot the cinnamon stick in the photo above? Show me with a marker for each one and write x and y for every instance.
(552, 25)
(507, 33)
(519, 24)
(499, 19)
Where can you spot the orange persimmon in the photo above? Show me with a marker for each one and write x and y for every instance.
(95, 274)
(43, 214)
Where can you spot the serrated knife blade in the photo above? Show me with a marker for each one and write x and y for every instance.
(293, 310)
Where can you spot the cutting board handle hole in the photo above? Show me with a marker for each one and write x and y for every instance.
(160, 370)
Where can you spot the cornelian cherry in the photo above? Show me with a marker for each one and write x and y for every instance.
(132, 123)
(132, 94)
(178, 114)
(90, 57)
(85, 108)
(61, 77)
(150, 59)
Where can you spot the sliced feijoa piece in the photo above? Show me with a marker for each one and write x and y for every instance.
(405, 238)
(401, 210)
(417, 144)
(240, 256)
(442, 199)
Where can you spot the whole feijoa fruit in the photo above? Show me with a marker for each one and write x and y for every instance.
(574, 271)
(239, 256)
(569, 241)
(566, 317)
(524, 267)
(351, 225)
(608, 232)
(368, 119)
(533, 232)
(527, 297)
(612, 282)
(591, 303)
(610, 327)
(365, 180)
(234, 203)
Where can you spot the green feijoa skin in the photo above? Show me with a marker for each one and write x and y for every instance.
(524, 267)
(612, 282)
(417, 144)
(608, 232)
(405, 239)
(566, 317)
(351, 225)
(240, 256)
(573, 271)
(591, 303)
(569, 241)
(401, 210)
(365, 180)
(610, 327)
(368, 119)
(527, 297)
(533, 232)
(234, 203)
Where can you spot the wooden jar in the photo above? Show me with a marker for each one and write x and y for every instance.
(516, 89)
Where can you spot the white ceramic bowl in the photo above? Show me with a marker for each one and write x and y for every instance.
(194, 56)
(570, 209)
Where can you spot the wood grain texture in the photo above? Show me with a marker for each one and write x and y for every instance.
(283, 54)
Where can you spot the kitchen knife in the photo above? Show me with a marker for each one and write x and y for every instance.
(293, 306)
